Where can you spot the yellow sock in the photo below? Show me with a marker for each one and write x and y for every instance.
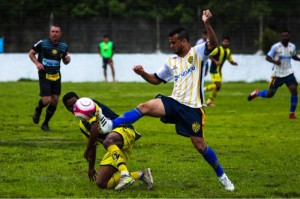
(117, 156)
(114, 180)
(135, 175)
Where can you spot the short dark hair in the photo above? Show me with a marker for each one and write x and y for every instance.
(68, 96)
(204, 32)
(226, 37)
(182, 33)
(106, 36)
(285, 30)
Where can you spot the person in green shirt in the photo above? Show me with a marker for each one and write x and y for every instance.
(106, 50)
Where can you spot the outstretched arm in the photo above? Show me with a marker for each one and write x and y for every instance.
(213, 41)
(146, 76)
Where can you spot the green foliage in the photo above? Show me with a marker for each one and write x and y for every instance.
(256, 143)
(268, 39)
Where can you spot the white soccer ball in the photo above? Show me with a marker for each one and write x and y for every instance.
(84, 108)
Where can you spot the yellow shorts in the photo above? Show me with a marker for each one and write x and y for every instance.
(128, 135)
(216, 77)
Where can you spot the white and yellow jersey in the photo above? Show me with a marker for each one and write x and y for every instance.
(284, 54)
(188, 75)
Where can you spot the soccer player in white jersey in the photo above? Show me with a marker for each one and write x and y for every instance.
(280, 55)
(184, 107)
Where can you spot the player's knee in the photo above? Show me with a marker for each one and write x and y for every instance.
(46, 100)
(101, 185)
(218, 86)
(144, 108)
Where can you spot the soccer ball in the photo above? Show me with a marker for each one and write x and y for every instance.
(84, 108)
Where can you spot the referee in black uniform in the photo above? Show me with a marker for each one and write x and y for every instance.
(50, 53)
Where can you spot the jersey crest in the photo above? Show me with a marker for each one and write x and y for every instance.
(196, 127)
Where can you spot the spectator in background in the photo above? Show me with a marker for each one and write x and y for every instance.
(280, 55)
(50, 52)
(203, 39)
(106, 50)
(218, 57)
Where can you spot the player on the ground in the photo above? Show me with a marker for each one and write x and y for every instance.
(184, 107)
(280, 55)
(113, 170)
(218, 57)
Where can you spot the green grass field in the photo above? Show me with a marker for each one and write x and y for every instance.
(256, 143)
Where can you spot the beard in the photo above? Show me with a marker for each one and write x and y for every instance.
(285, 42)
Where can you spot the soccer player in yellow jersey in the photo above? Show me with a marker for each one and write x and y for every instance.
(218, 56)
(184, 107)
(113, 170)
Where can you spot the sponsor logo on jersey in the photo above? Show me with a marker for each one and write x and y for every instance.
(54, 52)
(184, 73)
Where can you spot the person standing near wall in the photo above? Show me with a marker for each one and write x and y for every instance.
(106, 50)
(50, 52)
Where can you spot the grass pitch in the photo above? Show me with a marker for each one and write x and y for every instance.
(256, 143)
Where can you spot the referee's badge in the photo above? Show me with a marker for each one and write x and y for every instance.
(191, 59)
(196, 127)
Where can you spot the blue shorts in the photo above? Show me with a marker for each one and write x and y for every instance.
(188, 121)
(277, 82)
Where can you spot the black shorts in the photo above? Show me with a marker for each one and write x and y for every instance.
(277, 82)
(188, 121)
(106, 61)
(49, 87)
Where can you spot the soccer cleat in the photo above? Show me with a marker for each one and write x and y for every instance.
(45, 127)
(293, 116)
(36, 115)
(125, 181)
(147, 178)
(105, 124)
(226, 182)
(253, 95)
(210, 103)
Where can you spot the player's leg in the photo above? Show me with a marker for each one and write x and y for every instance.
(275, 83)
(111, 64)
(213, 88)
(211, 158)
(55, 92)
(104, 66)
(194, 128)
(292, 86)
(108, 177)
(50, 112)
(115, 142)
(45, 93)
(152, 108)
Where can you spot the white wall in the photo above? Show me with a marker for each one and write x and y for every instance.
(88, 67)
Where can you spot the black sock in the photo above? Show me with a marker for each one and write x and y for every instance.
(49, 113)
(40, 105)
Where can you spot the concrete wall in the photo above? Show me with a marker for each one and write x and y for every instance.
(87, 67)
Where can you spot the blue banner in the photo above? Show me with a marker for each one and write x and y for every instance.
(1, 45)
